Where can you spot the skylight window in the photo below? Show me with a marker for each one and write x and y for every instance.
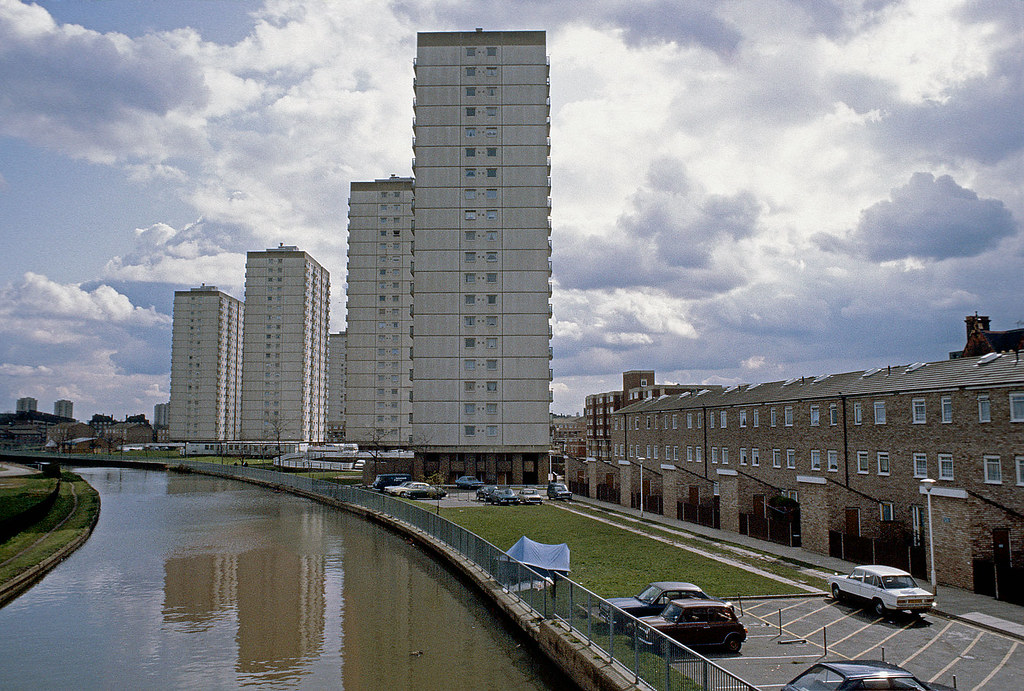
(985, 359)
(914, 367)
(874, 370)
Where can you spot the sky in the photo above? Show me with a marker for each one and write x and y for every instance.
(743, 190)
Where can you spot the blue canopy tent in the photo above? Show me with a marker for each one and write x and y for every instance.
(544, 559)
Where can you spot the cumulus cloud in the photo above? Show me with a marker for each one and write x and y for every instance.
(931, 218)
(101, 97)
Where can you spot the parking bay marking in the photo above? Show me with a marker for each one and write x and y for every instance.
(768, 603)
(928, 644)
(957, 658)
(882, 642)
(998, 667)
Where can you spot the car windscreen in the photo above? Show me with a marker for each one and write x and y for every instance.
(896, 582)
(649, 594)
(671, 612)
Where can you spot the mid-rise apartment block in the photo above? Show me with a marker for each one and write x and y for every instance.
(481, 358)
(27, 404)
(284, 373)
(206, 365)
(379, 316)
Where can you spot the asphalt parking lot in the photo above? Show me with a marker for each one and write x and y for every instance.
(933, 648)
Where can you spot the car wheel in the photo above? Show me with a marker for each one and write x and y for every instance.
(879, 608)
(733, 644)
(837, 594)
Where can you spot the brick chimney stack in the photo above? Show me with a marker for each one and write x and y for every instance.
(976, 323)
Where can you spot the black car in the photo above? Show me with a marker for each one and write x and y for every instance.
(484, 493)
(557, 490)
(656, 596)
(469, 482)
(384, 480)
(859, 674)
(503, 496)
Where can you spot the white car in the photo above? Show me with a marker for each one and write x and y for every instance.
(884, 587)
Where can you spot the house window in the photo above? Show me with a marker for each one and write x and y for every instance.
(469, 365)
(689, 421)
(755, 457)
(470, 152)
(815, 416)
(917, 407)
(470, 342)
(945, 466)
(471, 91)
(984, 409)
(714, 454)
(725, 455)
(491, 132)
(492, 151)
(879, 412)
(469, 256)
(470, 52)
(920, 465)
(492, 386)
(947, 409)
(833, 461)
(743, 417)
(993, 471)
(492, 111)
(492, 71)
(470, 172)
(858, 413)
(469, 409)
(885, 511)
(492, 364)
(689, 453)
(492, 321)
(470, 430)
(815, 459)
(862, 462)
(470, 111)
(492, 299)
(757, 417)
(492, 172)
(492, 214)
(655, 452)
(470, 71)
(776, 458)
(492, 278)
(1017, 407)
(771, 415)
(469, 321)
(492, 342)
(648, 422)
(721, 420)
(492, 51)
(469, 299)
(700, 454)
(468, 386)
(711, 419)
(1019, 462)
(675, 453)
(491, 194)
(790, 459)
(492, 430)
(743, 456)
(675, 421)
(788, 414)
(833, 414)
(470, 278)
(883, 462)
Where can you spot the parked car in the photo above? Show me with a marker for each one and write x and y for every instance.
(395, 490)
(557, 490)
(469, 482)
(484, 493)
(884, 587)
(696, 622)
(655, 597)
(417, 490)
(528, 495)
(385, 480)
(502, 496)
(859, 674)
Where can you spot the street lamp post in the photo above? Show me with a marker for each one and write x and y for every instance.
(926, 485)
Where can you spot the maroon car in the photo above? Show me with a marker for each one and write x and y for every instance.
(696, 623)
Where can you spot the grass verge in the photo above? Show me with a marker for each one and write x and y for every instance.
(22, 492)
(21, 553)
(606, 558)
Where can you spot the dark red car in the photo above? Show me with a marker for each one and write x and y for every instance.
(696, 623)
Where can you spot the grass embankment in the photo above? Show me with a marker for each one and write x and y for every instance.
(37, 543)
(608, 559)
(21, 493)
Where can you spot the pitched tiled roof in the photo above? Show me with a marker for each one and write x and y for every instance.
(986, 371)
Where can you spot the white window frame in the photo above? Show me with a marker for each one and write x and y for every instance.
(815, 416)
(884, 463)
(833, 461)
(787, 415)
(863, 464)
(945, 461)
(714, 454)
(1017, 407)
(776, 458)
(879, 407)
(743, 456)
(858, 413)
(920, 465)
(791, 458)
(755, 457)
(689, 454)
(918, 411)
(815, 459)
(984, 409)
(833, 414)
(886, 511)
(743, 417)
(757, 417)
(946, 403)
(722, 420)
(991, 463)
(1018, 462)
(725, 455)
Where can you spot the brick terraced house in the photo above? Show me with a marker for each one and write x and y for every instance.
(835, 463)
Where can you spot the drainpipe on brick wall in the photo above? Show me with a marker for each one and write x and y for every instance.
(846, 444)
(704, 427)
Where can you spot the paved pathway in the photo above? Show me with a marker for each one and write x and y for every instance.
(14, 469)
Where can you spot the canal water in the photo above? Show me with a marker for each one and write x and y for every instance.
(191, 581)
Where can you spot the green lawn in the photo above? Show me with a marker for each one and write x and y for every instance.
(22, 492)
(607, 559)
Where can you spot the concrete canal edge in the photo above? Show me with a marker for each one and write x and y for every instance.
(580, 662)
